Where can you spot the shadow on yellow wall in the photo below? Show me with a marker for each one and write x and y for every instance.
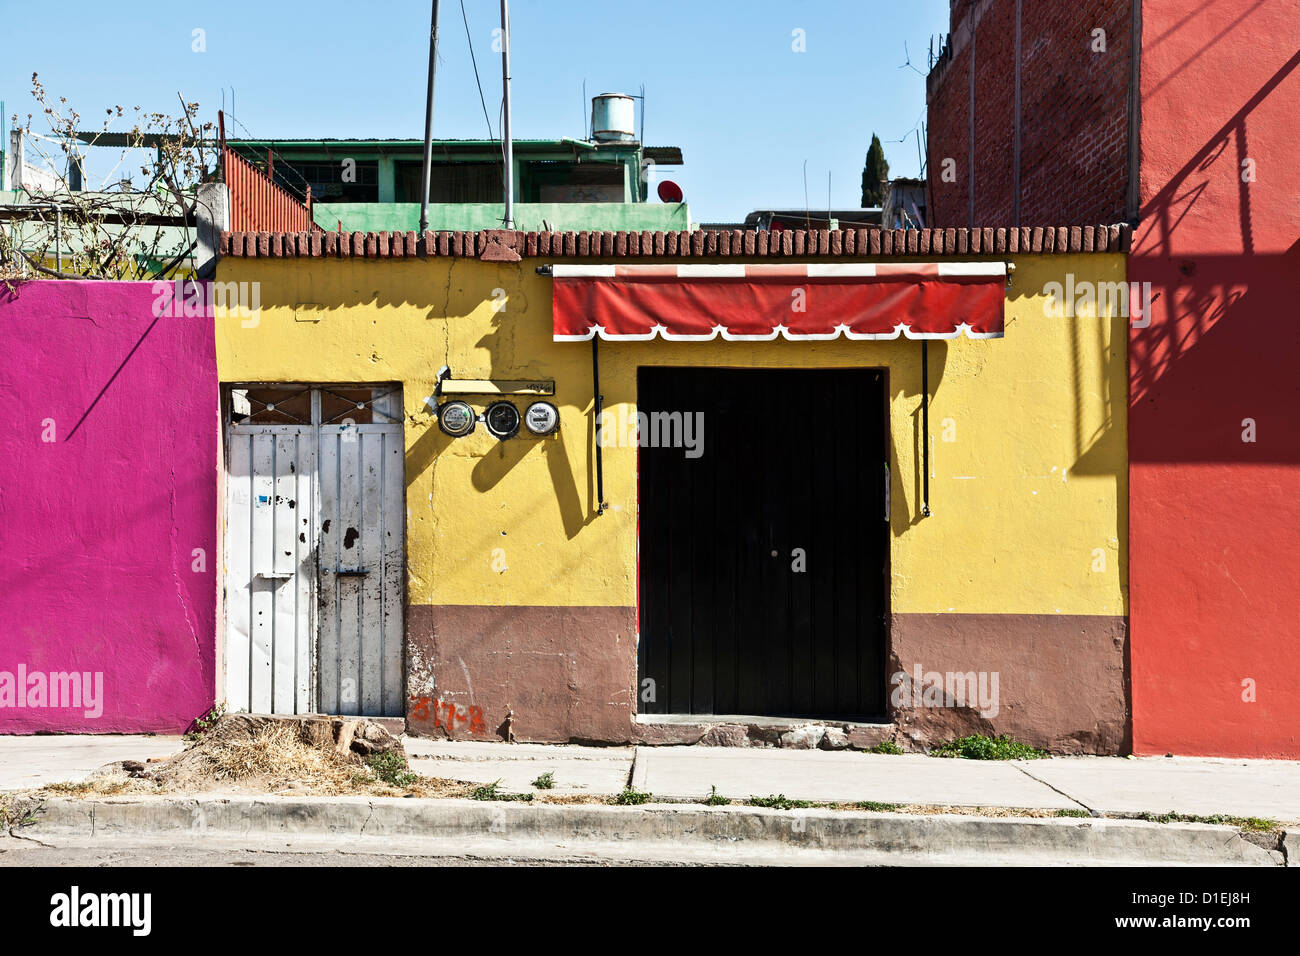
(1028, 464)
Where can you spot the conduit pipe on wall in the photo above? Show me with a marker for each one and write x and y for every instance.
(597, 406)
(598, 401)
(925, 428)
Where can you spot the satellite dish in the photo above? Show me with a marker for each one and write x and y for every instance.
(669, 191)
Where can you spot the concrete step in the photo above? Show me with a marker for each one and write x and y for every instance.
(688, 833)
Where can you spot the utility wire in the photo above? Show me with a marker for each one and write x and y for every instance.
(479, 83)
(474, 62)
(907, 61)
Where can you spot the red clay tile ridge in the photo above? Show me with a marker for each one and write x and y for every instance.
(505, 245)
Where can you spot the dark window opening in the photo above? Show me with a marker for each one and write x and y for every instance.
(270, 405)
(566, 182)
(329, 181)
(451, 182)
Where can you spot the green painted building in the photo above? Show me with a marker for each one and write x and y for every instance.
(374, 184)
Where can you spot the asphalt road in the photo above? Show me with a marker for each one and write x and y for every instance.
(152, 856)
(24, 852)
(459, 852)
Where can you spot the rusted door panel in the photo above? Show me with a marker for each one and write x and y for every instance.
(362, 512)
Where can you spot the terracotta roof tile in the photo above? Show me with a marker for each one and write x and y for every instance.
(701, 243)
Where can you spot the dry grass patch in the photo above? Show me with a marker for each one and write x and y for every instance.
(573, 799)
(251, 755)
(274, 757)
(278, 758)
(312, 756)
(100, 785)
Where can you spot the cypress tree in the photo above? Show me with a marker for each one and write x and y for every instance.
(873, 173)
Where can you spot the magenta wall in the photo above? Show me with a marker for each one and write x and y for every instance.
(99, 526)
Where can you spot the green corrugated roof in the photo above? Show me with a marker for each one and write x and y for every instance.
(477, 143)
(664, 154)
(667, 155)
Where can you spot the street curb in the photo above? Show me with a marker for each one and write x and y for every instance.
(1019, 839)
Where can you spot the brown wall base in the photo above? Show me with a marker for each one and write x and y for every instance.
(1062, 679)
(569, 674)
(566, 673)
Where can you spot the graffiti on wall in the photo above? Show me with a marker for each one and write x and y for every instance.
(448, 715)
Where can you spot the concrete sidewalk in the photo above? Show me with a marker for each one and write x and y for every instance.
(39, 760)
(841, 776)
(1194, 786)
(576, 770)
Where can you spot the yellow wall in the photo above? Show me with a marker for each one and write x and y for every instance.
(1029, 498)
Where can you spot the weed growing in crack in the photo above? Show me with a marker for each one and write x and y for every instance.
(391, 768)
(1248, 824)
(205, 723)
(631, 797)
(979, 747)
(16, 812)
(489, 791)
(778, 802)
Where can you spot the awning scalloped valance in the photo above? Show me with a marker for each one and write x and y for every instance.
(798, 302)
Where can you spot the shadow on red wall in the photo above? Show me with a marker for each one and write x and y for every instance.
(1214, 437)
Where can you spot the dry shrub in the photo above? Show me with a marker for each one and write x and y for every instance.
(282, 756)
(267, 757)
(278, 753)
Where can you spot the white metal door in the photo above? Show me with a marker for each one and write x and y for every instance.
(270, 568)
(315, 545)
(361, 519)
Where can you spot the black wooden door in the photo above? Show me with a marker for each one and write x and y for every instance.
(763, 558)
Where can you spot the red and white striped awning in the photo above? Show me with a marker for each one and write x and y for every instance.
(799, 302)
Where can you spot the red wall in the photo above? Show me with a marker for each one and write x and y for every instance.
(1214, 523)
(1214, 527)
(1073, 149)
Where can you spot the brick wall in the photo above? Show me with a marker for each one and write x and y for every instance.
(948, 139)
(1074, 114)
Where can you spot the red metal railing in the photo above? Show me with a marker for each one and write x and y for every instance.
(257, 202)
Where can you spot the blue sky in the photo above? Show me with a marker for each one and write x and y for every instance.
(722, 80)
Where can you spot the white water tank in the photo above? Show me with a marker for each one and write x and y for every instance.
(612, 117)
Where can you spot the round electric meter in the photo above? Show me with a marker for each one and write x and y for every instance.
(456, 419)
(502, 420)
(542, 418)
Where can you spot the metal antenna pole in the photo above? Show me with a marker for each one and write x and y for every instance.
(506, 142)
(428, 123)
